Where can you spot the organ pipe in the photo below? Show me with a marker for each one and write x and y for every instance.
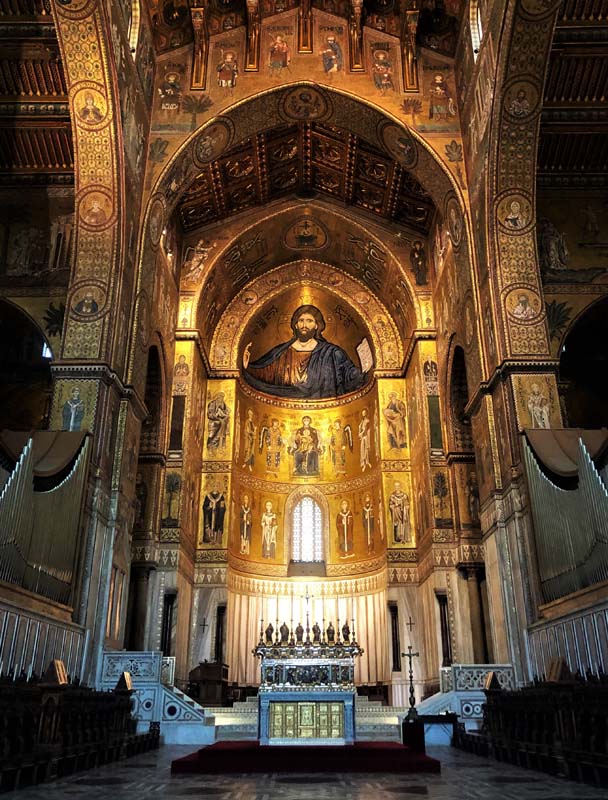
(570, 527)
(39, 530)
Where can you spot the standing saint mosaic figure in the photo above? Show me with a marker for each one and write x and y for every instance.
(344, 526)
(269, 531)
(399, 510)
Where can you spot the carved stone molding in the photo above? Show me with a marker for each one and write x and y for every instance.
(268, 587)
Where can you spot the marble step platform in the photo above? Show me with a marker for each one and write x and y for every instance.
(373, 720)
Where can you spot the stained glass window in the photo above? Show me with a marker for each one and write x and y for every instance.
(476, 27)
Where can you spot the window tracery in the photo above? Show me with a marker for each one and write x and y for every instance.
(307, 531)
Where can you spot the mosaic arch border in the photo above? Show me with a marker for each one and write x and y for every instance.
(227, 336)
(268, 109)
(83, 36)
(416, 299)
(265, 110)
(512, 170)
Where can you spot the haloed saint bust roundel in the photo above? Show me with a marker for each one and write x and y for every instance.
(307, 366)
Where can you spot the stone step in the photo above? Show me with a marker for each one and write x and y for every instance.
(235, 711)
(381, 735)
(185, 698)
(232, 732)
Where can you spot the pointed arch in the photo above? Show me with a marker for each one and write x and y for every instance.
(293, 533)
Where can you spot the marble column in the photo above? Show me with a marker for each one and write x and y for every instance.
(140, 579)
(477, 629)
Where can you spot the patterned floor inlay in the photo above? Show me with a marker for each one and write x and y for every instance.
(463, 777)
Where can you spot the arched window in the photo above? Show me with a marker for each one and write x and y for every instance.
(25, 372)
(459, 396)
(476, 26)
(307, 531)
(134, 26)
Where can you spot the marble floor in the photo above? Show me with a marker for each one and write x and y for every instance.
(463, 777)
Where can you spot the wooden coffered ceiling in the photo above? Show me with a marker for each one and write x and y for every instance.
(573, 145)
(306, 159)
(35, 132)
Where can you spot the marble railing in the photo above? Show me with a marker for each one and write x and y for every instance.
(472, 677)
(462, 691)
(154, 697)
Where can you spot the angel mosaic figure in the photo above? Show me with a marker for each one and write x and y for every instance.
(340, 438)
(249, 440)
(364, 433)
(272, 439)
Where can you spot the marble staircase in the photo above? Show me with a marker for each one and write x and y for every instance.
(238, 722)
(183, 721)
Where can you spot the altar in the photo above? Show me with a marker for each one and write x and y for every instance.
(307, 690)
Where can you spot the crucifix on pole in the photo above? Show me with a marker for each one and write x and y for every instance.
(412, 713)
(308, 597)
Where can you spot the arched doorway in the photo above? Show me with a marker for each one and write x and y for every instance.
(583, 368)
(25, 372)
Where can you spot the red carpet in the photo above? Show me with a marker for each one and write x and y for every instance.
(243, 756)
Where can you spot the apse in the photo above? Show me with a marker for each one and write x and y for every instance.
(305, 482)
